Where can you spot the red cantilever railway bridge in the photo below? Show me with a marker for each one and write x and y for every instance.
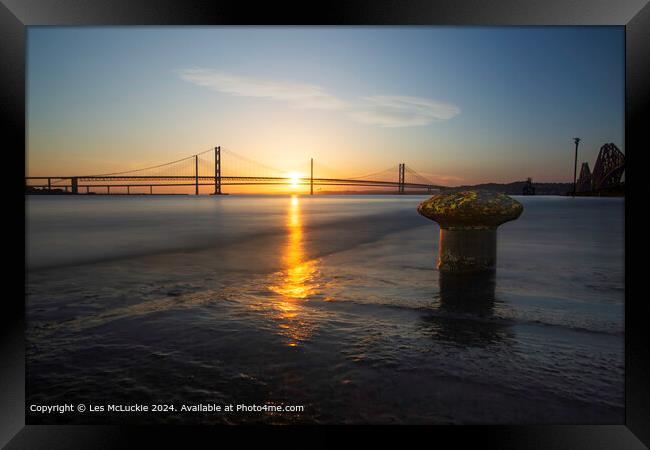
(197, 170)
(608, 171)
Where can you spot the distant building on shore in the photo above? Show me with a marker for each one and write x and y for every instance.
(529, 188)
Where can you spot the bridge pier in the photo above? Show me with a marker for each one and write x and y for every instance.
(74, 185)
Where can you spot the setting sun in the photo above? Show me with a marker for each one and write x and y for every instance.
(294, 179)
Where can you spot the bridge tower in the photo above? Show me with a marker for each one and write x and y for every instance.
(401, 178)
(196, 174)
(311, 178)
(217, 170)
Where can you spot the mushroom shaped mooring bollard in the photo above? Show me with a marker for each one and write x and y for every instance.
(468, 227)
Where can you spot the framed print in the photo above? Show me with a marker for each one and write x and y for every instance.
(359, 215)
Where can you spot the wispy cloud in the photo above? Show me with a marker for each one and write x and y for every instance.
(299, 95)
(402, 111)
(380, 110)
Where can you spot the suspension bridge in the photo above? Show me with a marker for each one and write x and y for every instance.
(218, 167)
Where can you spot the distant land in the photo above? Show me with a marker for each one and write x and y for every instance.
(514, 188)
(517, 188)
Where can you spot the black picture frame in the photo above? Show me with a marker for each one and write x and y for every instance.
(16, 15)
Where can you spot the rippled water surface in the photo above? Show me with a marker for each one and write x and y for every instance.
(328, 302)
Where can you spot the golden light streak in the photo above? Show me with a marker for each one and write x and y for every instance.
(296, 283)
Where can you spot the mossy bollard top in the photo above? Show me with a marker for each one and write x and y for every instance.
(468, 221)
(470, 209)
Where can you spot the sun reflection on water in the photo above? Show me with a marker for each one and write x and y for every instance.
(296, 283)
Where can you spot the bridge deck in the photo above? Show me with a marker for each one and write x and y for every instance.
(225, 180)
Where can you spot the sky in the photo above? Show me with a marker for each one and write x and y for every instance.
(460, 105)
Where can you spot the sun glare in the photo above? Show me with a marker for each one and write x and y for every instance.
(294, 179)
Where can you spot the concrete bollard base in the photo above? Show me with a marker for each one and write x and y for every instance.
(467, 250)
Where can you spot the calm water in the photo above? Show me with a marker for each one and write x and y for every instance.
(331, 303)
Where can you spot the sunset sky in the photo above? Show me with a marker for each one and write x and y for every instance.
(461, 105)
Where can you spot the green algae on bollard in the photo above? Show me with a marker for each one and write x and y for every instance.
(468, 227)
